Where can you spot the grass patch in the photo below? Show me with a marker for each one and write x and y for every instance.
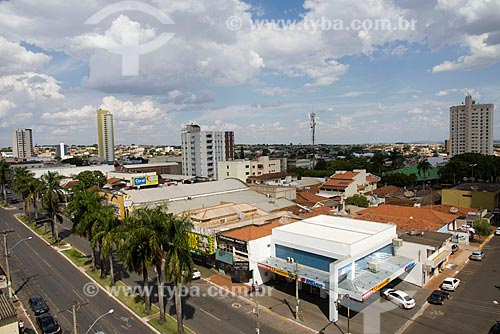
(40, 230)
(78, 258)
(168, 327)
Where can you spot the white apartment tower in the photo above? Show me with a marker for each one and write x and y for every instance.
(105, 135)
(22, 144)
(471, 128)
(201, 150)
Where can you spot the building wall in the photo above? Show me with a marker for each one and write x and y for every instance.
(239, 169)
(22, 144)
(258, 250)
(202, 150)
(264, 165)
(470, 199)
(471, 128)
(418, 253)
(9, 326)
(105, 135)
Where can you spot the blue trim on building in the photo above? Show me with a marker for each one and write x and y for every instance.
(305, 258)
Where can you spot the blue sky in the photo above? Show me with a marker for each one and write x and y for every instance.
(365, 85)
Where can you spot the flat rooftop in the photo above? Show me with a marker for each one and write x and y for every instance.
(429, 238)
(478, 186)
(337, 229)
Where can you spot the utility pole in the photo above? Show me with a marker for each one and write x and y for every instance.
(6, 250)
(75, 307)
(257, 323)
(297, 301)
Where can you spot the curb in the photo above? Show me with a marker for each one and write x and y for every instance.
(261, 307)
(486, 241)
(92, 280)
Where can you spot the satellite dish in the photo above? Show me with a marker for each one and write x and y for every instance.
(453, 209)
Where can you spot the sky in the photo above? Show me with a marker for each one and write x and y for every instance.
(373, 71)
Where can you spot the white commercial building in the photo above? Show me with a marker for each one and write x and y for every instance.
(201, 150)
(334, 257)
(471, 128)
(242, 169)
(22, 144)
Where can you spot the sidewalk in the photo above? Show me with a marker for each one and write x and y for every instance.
(23, 315)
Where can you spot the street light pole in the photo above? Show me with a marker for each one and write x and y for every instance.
(472, 174)
(6, 250)
(96, 320)
(348, 313)
(297, 301)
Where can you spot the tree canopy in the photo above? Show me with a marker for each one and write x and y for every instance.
(88, 179)
(357, 200)
(461, 167)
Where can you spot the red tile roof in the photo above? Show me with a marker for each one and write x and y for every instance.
(344, 176)
(307, 198)
(320, 210)
(337, 183)
(408, 218)
(384, 191)
(371, 179)
(253, 232)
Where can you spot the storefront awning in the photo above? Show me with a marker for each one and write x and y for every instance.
(307, 275)
(440, 258)
(368, 282)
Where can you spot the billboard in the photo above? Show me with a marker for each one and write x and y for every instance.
(149, 180)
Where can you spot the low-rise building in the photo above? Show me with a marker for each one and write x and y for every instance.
(473, 195)
(346, 184)
(8, 316)
(280, 178)
(243, 169)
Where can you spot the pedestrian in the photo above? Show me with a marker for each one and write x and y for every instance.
(20, 324)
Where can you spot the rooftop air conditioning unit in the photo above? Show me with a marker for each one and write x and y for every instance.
(397, 242)
(374, 266)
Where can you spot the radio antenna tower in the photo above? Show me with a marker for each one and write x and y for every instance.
(312, 117)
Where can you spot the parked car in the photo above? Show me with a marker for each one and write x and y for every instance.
(47, 324)
(495, 329)
(467, 228)
(454, 248)
(450, 283)
(477, 255)
(196, 274)
(497, 232)
(400, 298)
(438, 297)
(38, 305)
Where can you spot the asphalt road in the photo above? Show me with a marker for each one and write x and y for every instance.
(38, 269)
(470, 309)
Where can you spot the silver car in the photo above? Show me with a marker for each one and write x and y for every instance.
(477, 255)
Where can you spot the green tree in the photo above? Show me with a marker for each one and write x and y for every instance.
(461, 167)
(105, 233)
(357, 200)
(482, 227)
(51, 197)
(87, 179)
(4, 177)
(423, 169)
(397, 159)
(398, 179)
(22, 179)
(179, 262)
(35, 188)
(83, 207)
(242, 153)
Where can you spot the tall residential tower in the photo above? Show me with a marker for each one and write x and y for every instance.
(471, 128)
(22, 144)
(201, 150)
(105, 135)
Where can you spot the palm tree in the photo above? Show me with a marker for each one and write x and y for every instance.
(4, 176)
(397, 159)
(105, 233)
(135, 250)
(82, 207)
(179, 263)
(423, 168)
(35, 187)
(52, 196)
(21, 184)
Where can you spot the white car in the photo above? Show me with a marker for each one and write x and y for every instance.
(450, 283)
(196, 274)
(497, 232)
(400, 298)
(467, 228)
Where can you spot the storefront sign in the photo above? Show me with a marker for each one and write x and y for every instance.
(312, 282)
(281, 272)
(241, 265)
(383, 283)
(233, 240)
(149, 180)
(224, 256)
(201, 244)
(410, 266)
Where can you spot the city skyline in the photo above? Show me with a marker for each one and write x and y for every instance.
(259, 81)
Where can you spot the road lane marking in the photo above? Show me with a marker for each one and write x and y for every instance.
(210, 314)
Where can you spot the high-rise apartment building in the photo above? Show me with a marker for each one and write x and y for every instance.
(471, 128)
(22, 144)
(201, 150)
(105, 135)
(62, 150)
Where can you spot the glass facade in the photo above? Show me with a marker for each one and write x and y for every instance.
(305, 258)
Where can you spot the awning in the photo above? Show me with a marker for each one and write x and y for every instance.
(367, 282)
(307, 275)
(440, 258)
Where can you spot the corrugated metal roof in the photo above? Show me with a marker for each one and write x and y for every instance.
(7, 309)
(182, 191)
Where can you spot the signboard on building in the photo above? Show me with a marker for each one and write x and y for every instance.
(233, 240)
(241, 265)
(278, 271)
(386, 281)
(201, 244)
(149, 180)
(223, 256)
(312, 282)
